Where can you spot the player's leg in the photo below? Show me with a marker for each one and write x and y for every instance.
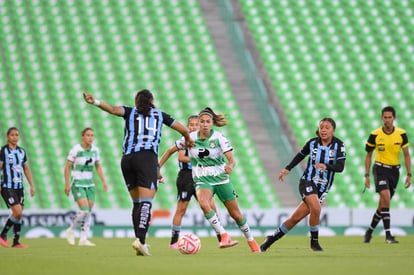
(79, 195)
(300, 212)
(312, 201)
(86, 223)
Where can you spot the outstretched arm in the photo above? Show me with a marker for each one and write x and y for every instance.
(168, 154)
(113, 110)
(179, 127)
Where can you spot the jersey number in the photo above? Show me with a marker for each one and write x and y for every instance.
(147, 126)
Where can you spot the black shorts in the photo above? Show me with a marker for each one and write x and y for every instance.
(185, 185)
(307, 188)
(140, 169)
(386, 178)
(12, 196)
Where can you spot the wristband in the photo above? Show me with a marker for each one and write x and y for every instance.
(409, 174)
(366, 175)
(96, 102)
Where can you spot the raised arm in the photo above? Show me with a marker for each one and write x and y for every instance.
(113, 110)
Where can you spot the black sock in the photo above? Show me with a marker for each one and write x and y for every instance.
(16, 229)
(144, 219)
(218, 237)
(375, 220)
(314, 235)
(278, 234)
(6, 228)
(386, 220)
(174, 236)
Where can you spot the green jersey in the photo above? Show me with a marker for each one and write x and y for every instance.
(83, 162)
(207, 157)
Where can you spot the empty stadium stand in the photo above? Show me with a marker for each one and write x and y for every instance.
(52, 51)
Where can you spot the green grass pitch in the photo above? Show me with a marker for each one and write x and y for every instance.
(291, 255)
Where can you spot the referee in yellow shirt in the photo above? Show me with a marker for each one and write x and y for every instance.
(387, 142)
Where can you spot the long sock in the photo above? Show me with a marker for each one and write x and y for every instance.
(141, 216)
(314, 231)
(10, 222)
(374, 222)
(215, 222)
(16, 230)
(79, 218)
(175, 233)
(245, 228)
(280, 232)
(386, 220)
(86, 224)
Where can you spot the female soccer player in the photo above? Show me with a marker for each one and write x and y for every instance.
(81, 160)
(139, 164)
(211, 175)
(13, 163)
(326, 157)
(185, 184)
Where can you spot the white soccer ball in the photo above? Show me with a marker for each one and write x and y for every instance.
(189, 244)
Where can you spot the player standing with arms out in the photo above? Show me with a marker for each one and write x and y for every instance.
(211, 175)
(81, 160)
(184, 183)
(326, 157)
(139, 164)
(387, 142)
(13, 163)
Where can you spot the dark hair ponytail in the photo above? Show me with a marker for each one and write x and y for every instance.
(143, 102)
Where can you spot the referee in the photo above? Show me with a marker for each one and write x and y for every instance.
(387, 142)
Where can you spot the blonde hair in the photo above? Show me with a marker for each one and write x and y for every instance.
(219, 120)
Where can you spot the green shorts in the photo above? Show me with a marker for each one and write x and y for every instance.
(83, 192)
(225, 192)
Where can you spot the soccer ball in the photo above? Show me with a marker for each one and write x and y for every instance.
(189, 244)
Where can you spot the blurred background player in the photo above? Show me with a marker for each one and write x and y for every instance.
(387, 142)
(13, 163)
(78, 175)
(184, 183)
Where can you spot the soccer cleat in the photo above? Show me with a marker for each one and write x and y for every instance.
(19, 245)
(3, 242)
(86, 243)
(141, 249)
(391, 239)
(269, 240)
(174, 245)
(226, 241)
(367, 237)
(254, 247)
(315, 245)
(70, 236)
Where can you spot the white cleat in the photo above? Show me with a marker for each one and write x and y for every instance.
(141, 249)
(86, 243)
(70, 236)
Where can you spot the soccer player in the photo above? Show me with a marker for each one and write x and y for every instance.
(13, 163)
(81, 160)
(184, 183)
(139, 164)
(387, 142)
(211, 175)
(326, 157)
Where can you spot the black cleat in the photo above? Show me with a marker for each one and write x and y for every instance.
(269, 240)
(391, 239)
(367, 237)
(315, 245)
